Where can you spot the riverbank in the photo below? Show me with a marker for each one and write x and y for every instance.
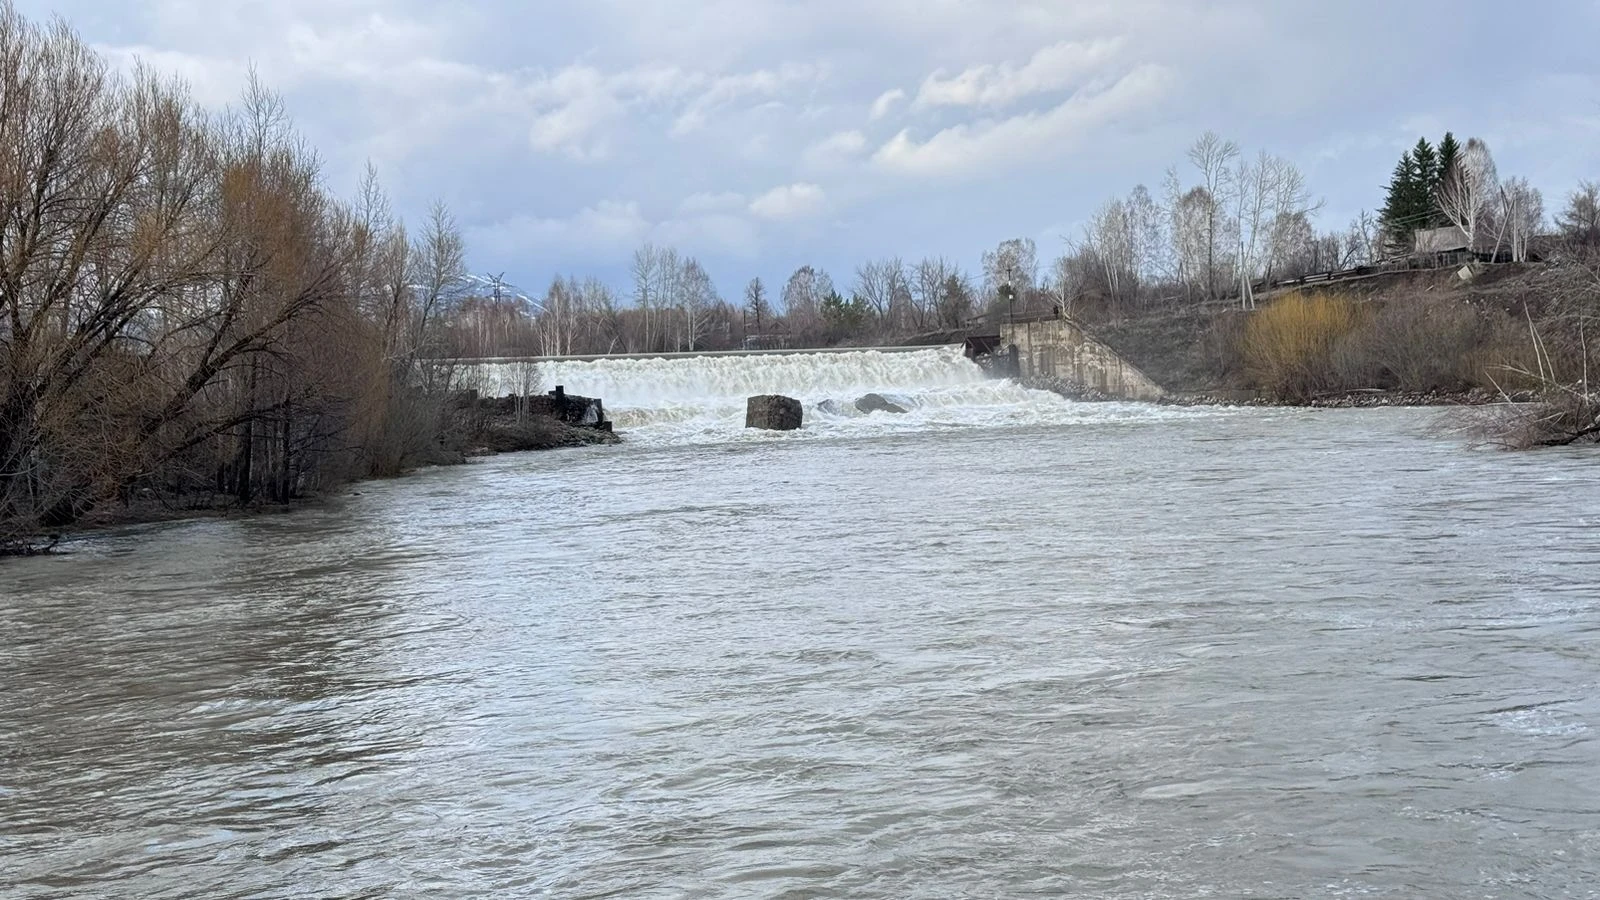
(478, 428)
(1402, 339)
(1368, 399)
(1355, 399)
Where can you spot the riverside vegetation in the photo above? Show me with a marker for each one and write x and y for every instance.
(188, 319)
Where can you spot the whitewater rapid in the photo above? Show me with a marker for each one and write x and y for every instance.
(693, 399)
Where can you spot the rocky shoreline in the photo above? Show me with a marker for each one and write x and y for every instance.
(1354, 399)
(1340, 400)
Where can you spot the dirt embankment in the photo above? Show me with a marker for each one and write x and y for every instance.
(1197, 348)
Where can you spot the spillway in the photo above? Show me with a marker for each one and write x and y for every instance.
(688, 398)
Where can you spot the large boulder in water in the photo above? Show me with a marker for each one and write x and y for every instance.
(773, 412)
(878, 403)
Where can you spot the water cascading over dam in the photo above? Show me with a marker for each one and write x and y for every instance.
(680, 398)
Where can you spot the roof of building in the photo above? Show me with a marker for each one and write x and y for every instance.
(1442, 240)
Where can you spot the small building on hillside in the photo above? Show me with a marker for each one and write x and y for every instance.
(1450, 239)
(1441, 247)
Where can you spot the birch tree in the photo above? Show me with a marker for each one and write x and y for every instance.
(696, 297)
(646, 271)
(1214, 158)
(557, 318)
(1522, 211)
(1192, 219)
(1469, 190)
(1110, 239)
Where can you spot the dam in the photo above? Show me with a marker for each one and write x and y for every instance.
(689, 398)
(705, 392)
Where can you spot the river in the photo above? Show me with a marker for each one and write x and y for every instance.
(1003, 646)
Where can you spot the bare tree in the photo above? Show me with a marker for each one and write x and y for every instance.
(557, 319)
(647, 291)
(1110, 238)
(1214, 158)
(1364, 239)
(1013, 265)
(696, 297)
(756, 305)
(1192, 247)
(1147, 225)
(927, 286)
(1579, 222)
(1469, 191)
(803, 294)
(1522, 211)
(875, 282)
(1294, 248)
(439, 258)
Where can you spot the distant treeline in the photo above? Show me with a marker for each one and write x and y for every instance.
(1235, 225)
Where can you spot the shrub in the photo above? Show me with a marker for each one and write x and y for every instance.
(1419, 345)
(1289, 346)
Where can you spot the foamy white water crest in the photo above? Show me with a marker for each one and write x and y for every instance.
(690, 399)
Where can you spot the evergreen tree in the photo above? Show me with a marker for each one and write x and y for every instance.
(1413, 203)
(1399, 214)
(1426, 162)
(844, 318)
(1449, 152)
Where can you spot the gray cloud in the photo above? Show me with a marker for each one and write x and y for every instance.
(763, 134)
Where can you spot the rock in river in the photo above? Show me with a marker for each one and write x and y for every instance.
(773, 412)
(878, 403)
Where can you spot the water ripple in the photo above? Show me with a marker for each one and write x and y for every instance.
(1270, 654)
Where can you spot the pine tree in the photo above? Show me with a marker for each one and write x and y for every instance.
(1426, 162)
(1449, 152)
(1398, 216)
(1413, 203)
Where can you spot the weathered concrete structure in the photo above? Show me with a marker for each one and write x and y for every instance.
(774, 412)
(1057, 348)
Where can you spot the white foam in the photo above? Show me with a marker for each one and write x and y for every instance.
(696, 399)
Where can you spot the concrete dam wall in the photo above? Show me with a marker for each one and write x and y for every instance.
(1059, 348)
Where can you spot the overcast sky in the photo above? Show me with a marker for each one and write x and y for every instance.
(759, 135)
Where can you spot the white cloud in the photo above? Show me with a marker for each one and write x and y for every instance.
(988, 145)
(791, 201)
(608, 226)
(577, 109)
(1054, 68)
(705, 202)
(838, 147)
(212, 82)
(579, 104)
(886, 102)
(723, 233)
(717, 92)
(635, 100)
